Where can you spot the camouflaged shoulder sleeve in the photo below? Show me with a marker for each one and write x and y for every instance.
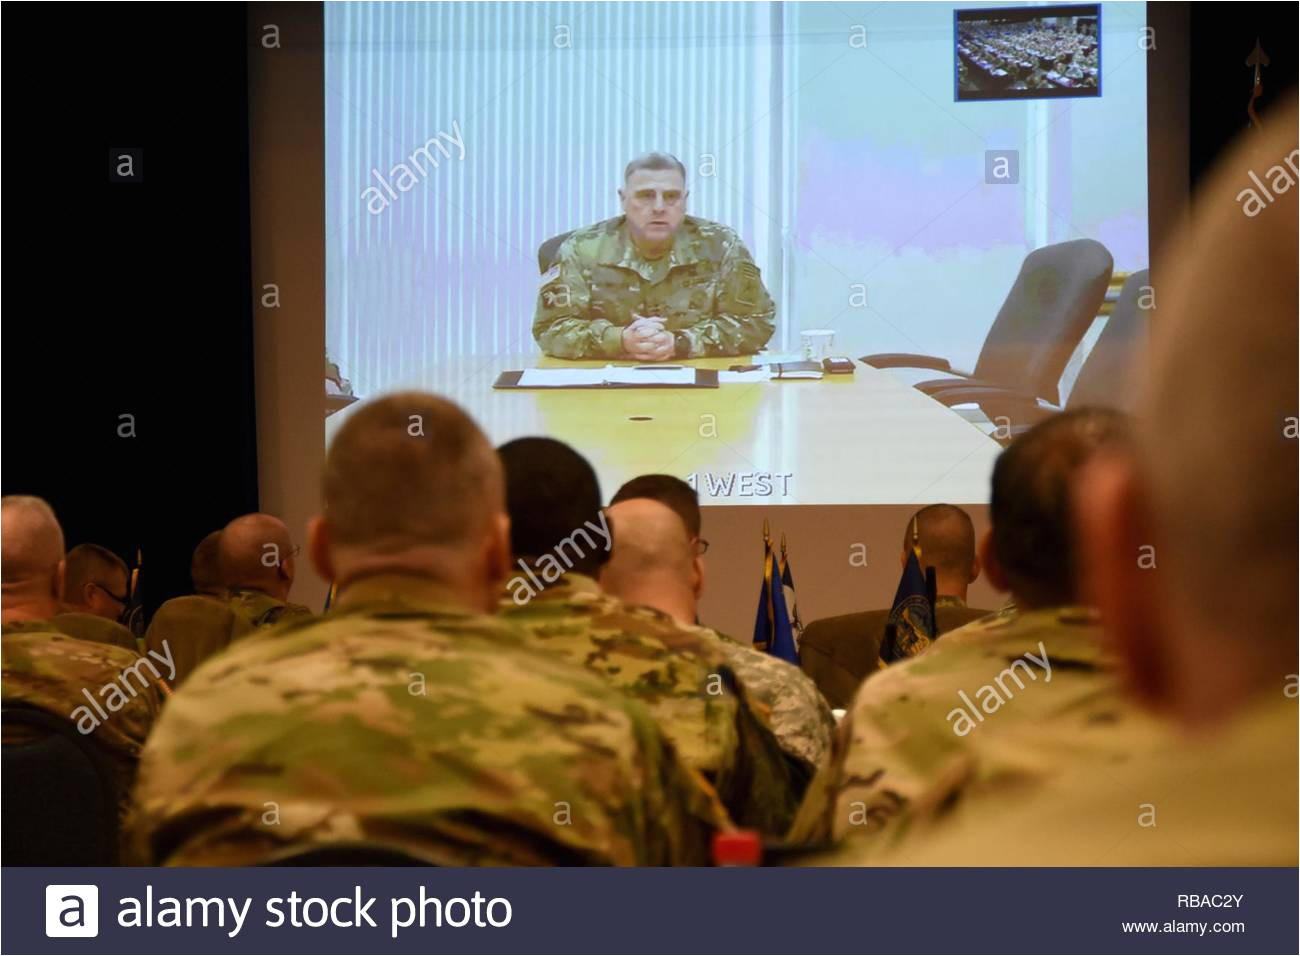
(560, 323)
(742, 322)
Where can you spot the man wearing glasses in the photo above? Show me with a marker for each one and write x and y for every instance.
(653, 284)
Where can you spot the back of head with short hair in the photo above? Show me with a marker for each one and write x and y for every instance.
(1217, 438)
(94, 564)
(654, 160)
(410, 470)
(551, 493)
(947, 539)
(667, 490)
(250, 550)
(205, 565)
(31, 541)
(1033, 536)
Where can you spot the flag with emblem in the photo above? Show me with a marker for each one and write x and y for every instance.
(912, 614)
(772, 630)
(791, 601)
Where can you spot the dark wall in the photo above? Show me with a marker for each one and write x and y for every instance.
(1222, 36)
(129, 298)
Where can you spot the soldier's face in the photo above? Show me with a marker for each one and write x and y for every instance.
(654, 201)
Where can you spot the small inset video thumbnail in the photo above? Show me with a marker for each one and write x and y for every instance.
(1028, 52)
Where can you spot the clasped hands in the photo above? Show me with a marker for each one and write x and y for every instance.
(647, 340)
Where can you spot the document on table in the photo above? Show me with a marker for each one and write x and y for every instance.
(609, 375)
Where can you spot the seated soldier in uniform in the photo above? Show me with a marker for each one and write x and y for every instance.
(194, 627)
(560, 540)
(653, 284)
(655, 564)
(1000, 706)
(108, 692)
(205, 568)
(96, 595)
(1189, 548)
(839, 653)
(256, 557)
(408, 718)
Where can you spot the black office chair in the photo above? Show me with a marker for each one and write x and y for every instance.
(549, 250)
(59, 792)
(1050, 306)
(1107, 377)
(352, 853)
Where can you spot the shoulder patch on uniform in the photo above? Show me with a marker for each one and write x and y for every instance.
(552, 272)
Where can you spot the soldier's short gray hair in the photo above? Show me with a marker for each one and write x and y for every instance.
(654, 161)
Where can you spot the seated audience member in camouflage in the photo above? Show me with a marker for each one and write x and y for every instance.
(109, 693)
(1189, 547)
(205, 568)
(256, 557)
(408, 717)
(653, 284)
(840, 652)
(655, 564)
(560, 540)
(194, 627)
(96, 585)
(995, 709)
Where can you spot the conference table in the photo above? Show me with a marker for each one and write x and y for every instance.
(864, 438)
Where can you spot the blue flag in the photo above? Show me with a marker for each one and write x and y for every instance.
(772, 631)
(912, 614)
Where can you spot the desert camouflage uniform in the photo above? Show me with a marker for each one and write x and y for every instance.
(262, 610)
(685, 681)
(799, 715)
(903, 757)
(706, 289)
(49, 670)
(400, 720)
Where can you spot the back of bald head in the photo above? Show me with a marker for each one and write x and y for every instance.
(1217, 442)
(205, 565)
(411, 470)
(251, 549)
(649, 538)
(31, 542)
(947, 538)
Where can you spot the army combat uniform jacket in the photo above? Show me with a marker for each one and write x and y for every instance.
(683, 678)
(981, 718)
(706, 289)
(107, 692)
(262, 610)
(400, 720)
(799, 715)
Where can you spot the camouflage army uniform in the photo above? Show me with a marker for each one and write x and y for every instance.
(93, 628)
(684, 680)
(706, 289)
(262, 610)
(799, 715)
(401, 720)
(49, 670)
(1221, 798)
(904, 754)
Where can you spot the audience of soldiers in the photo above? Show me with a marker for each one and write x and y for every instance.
(1027, 55)
(511, 674)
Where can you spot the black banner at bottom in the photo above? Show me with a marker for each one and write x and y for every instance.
(382, 910)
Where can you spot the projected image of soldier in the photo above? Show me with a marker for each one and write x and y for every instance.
(653, 284)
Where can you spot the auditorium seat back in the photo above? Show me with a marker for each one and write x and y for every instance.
(59, 793)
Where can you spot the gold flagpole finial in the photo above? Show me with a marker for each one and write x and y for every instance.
(767, 533)
(916, 537)
(782, 544)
